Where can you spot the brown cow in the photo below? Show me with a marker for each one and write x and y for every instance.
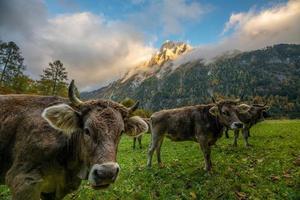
(140, 136)
(138, 127)
(49, 144)
(200, 123)
(253, 116)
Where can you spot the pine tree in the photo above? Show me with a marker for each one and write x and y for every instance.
(54, 78)
(11, 63)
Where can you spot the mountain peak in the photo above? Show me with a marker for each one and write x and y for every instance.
(169, 51)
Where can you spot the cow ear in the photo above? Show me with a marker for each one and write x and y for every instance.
(243, 108)
(214, 110)
(62, 117)
(135, 126)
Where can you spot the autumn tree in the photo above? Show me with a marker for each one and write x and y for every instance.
(53, 79)
(11, 64)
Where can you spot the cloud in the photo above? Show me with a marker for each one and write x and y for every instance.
(18, 19)
(168, 16)
(270, 26)
(97, 50)
(94, 50)
(20, 24)
(255, 29)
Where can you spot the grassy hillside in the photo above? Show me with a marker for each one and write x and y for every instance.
(265, 171)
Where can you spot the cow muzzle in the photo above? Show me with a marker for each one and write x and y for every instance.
(101, 176)
(237, 125)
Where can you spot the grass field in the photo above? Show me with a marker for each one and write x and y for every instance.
(265, 171)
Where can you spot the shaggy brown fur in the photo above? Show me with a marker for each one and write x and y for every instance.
(39, 161)
(250, 118)
(139, 137)
(200, 123)
(136, 126)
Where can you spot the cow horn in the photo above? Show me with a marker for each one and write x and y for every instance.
(72, 96)
(134, 107)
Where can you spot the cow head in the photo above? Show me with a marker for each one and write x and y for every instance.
(259, 112)
(227, 111)
(98, 125)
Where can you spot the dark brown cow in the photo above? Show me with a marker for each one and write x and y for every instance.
(253, 116)
(49, 144)
(200, 123)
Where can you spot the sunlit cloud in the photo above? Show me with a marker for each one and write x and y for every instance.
(94, 50)
(253, 30)
(97, 50)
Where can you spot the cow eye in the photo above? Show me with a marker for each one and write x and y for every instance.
(87, 132)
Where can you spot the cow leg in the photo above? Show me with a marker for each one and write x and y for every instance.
(140, 141)
(206, 153)
(134, 141)
(156, 137)
(158, 151)
(236, 136)
(226, 133)
(246, 135)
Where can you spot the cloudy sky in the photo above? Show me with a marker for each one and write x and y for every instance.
(99, 40)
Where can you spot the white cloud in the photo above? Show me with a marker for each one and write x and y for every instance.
(278, 24)
(94, 50)
(256, 29)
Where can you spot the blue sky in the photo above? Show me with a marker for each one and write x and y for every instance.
(100, 40)
(205, 29)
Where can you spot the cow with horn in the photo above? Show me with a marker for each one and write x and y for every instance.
(256, 114)
(200, 123)
(49, 144)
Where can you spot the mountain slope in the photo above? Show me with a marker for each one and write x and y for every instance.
(272, 73)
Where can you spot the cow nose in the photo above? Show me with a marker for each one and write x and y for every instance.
(104, 174)
(238, 125)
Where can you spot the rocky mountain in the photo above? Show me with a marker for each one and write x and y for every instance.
(169, 80)
(159, 64)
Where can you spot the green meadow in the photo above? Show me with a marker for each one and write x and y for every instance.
(264, 171)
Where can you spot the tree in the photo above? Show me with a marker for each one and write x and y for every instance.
(22, 84)
(11, 63)
(54, 78)
(128, 102)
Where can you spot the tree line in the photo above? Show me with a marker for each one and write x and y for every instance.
(53, 80)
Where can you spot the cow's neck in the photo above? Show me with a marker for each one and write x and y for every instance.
(72, 152)
(216, 124)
